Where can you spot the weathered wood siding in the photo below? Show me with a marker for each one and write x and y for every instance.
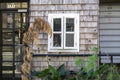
(88, 10)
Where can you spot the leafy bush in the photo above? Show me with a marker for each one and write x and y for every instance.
(88, 70)
(51, 73)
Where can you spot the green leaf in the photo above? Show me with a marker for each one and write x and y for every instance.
(95, 50)
(53, 70)
(110, 76)
(61, 70)
(35, 73)
(91, 63)
(79, 61)
(43, 73)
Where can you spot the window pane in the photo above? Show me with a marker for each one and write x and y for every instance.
(7, 48)
(17, 20)
(7, 56)
(69, 40)
(57, 24)
(70, 24)
(57, 40)
(7, 38)
(7, 63)
(4, 20)
(24, 5)
(7, 20)
(18, 68)
(18, 51)
(2, 5)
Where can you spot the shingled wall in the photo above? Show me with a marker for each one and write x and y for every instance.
(88, 10)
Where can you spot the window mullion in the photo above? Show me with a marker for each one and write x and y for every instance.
(62, 35)
(64, 31)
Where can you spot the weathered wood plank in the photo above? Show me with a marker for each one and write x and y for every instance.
(110, 14)
(110, 8)
(110, 26)
(109, 32)
(110, 44)
(109, 20)
(110, 50)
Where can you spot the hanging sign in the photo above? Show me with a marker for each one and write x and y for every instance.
(10, 5)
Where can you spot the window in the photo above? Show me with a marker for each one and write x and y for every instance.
(65, 36)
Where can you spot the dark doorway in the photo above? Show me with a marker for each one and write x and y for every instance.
(14, 22)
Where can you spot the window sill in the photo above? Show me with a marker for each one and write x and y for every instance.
(63, 50)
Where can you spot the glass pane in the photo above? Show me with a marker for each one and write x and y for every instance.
(7, 56)
(17, 53)
(7, 38)
(7, 30)
(10, 20)
(24, 19)
(2, 5)
(4, 20)
(7, 64)
(17, 20)
(17, 5)
(18, 68)
(24, 5)
(7, 19)
(70, 24)
(57, 24)
(57, 40)
(7, 72)
(7, 48)
(69, 40)
(17, 38)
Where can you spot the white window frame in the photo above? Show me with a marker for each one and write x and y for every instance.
(63, 32)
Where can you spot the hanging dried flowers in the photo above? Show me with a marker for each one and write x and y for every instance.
(31, 36)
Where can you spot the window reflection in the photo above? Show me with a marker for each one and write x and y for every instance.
(17, 20)
(18, 68)
(57, 24)
(7, 20)
(7, 56)
(57, 40)
(69, 40)
(7, 38)
(10, 20)
(70, 24)
(4, 20)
